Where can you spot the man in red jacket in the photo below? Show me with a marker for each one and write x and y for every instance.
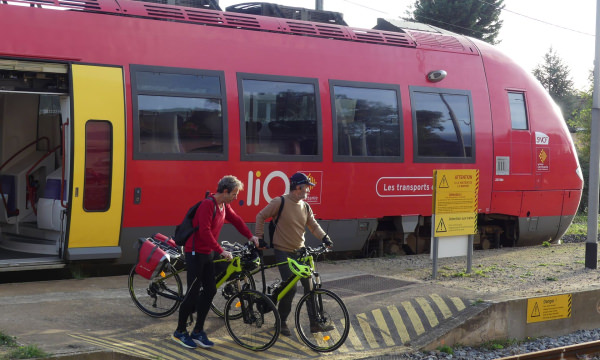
(209, 219)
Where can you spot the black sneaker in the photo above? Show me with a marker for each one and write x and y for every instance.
(285, 330)
(317, 328)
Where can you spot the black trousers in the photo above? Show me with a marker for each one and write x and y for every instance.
(285, 305)
(200, 274)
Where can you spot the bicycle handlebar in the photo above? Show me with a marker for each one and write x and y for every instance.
(237, 249)
(310, 251)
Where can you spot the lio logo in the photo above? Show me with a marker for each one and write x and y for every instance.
(256, 185)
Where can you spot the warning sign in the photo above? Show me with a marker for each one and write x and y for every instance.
(456, 191)
(455, 224)
(455, 202)
(549, 308)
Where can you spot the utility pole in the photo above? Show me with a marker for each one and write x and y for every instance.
(318, 4)
(591, 245)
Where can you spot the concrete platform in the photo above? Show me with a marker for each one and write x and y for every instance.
(96, 317)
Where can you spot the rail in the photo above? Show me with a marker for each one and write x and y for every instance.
(16, 211)
(62, 178)
(30, 192)
(569, 352)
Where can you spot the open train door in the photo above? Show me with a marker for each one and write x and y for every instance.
(98, 162)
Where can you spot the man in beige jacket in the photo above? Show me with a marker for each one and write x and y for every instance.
(288, 237)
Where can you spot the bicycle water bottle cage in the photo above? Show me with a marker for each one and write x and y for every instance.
(299, 269)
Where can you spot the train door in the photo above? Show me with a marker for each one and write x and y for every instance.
(98, 171)
(34, 108)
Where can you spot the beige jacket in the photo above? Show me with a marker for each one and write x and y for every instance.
(295, 217)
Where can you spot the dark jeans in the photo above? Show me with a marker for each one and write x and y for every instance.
(200, 273)
(285, 305)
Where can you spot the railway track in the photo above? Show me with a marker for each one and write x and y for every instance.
(579, 351)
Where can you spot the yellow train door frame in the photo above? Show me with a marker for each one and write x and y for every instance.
(98, 158)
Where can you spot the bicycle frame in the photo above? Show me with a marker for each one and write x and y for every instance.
(290, 282)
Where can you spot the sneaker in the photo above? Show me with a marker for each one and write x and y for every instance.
(285, 330)
(184, 339)
(201, 339)
(317, 328)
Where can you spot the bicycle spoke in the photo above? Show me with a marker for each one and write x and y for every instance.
(255, 322)
(158, 297)
(322, 320)
(227, 290)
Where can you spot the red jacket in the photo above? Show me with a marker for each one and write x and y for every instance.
(209, 227)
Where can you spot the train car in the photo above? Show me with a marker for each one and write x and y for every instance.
(117, 116)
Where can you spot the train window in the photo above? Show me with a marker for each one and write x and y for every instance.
(442, 125)
(179, 114)
(280, 118)
(98, 165)
(518, 110)
(367, 125)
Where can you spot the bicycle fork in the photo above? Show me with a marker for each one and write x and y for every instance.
(316, 301)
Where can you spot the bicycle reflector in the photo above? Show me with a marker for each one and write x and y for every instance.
(299, 269)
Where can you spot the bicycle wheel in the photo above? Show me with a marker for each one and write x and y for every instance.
(230, 288)
(259, 325)
(159, 296)
(322, 320)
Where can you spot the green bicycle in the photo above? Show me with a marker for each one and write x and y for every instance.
(161, 295)
(321, 317)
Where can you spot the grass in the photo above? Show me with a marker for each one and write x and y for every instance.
(6, 340)
(446, 349)
(477, 272)
(10, 349)
(499, 344)
(25, 352)
(579, 226)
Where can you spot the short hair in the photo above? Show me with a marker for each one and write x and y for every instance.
(229, 182)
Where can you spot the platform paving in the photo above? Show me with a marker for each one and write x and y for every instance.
(95, 317)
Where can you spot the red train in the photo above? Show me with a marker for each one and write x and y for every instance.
(115, 117)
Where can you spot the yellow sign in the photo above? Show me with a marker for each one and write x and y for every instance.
(455, 224)
(455, 202)
(456, 191)
(549, 308)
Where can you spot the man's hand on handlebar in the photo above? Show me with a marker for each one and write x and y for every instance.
(255, 240)
(327, 242)
(227, 255)
(262, 244)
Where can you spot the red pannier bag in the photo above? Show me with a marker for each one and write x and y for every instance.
(150, 259)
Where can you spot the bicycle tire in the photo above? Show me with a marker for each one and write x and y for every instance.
(331, 312)
(230, 288)
(259, 325)
(157, 297)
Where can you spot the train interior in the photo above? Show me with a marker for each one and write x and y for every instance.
(34, 105)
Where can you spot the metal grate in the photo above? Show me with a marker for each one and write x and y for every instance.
(363, 284)
(380, 37)
(437, 41)
(502, 165)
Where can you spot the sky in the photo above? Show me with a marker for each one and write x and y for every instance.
(530, 28)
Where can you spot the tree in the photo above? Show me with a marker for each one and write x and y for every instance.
(555, 77)
(581, 122)
(475, 18)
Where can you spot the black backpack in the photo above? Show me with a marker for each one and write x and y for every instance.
(184, 230)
